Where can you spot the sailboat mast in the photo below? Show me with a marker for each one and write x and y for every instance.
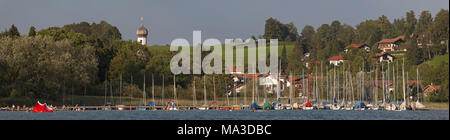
(174, 89)
(204, 89)
(278, 83)
(131, 96)
(334, 84)
(382, 83)
(153, 90)
(110, 91)
(253, 89)
(403, 77)
(163, 90)
(106, 84)
(328, 89)
(339, 96)
(394, 82)
(214, 86)
(321, 76)
(417, 83)
(245, 91)
(144, 96)
(194, 98)
(351, 87)
(193, 93)
(376, 84)
(120, 89)
(317, 87)
(291, 89)
(303, 82)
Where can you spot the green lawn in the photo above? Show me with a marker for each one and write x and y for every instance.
(436, 61)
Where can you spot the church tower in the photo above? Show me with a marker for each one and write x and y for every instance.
(141, 34)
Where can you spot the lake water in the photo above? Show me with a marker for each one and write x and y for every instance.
(230, 115)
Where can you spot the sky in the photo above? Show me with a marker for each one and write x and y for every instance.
(167, 20)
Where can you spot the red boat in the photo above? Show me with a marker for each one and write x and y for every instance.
(225, 108)
(41, 108)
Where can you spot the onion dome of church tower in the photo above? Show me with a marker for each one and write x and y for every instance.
(142, 31)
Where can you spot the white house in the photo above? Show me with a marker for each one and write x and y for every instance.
(384, 57)
(390, 44)
(358, 46)
(336, 60)
(270, 83)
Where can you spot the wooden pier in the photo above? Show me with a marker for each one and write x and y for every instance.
(80, 108)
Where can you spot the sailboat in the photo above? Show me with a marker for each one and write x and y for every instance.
(291, 90)
(152, 103)
(173, 105)
(254, 105)
(417, 105)
(404, 105)
(307, 105)
(375, 105)
(335, 104)
(144, 97)
(194, 95)
(205, 105)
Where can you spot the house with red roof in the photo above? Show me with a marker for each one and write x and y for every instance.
(358, 46)
(431, 89)
(336, 60)
(235, 70)
(390, 44)
(384, 57)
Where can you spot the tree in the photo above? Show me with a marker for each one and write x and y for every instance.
(440, 27)
(272, 29)
(413, 54)
(399, 27)
(307, 36)
(425, 22)
(32, 31)
(346, 35)
(369, 32)
(385, 27)
(39, 65)
(292, 32)
(335, 28)
(284, 61)
(296, 58)
(423, 30)
(411, 22)
(13, 32)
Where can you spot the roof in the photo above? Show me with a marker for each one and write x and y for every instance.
(356, 46)
(335, 58)
(235, 69)
(392, 40)
(381, 54)
(142, 31)
(435, 87)
(412, 82)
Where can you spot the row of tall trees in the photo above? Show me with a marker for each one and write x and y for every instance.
(41, 67)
